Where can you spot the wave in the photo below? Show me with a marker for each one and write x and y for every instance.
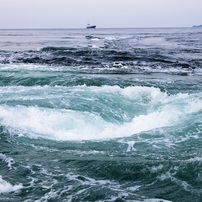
(90, 37)
(95, 56)
(90, 113)
(54, 48)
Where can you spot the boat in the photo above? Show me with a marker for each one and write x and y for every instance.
(88, 26)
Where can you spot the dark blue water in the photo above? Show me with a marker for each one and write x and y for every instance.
(101, 115)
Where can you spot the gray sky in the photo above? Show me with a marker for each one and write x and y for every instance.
(103, 13)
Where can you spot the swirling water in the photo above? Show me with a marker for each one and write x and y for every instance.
(101, 115)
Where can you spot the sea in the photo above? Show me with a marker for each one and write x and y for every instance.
(101, 115)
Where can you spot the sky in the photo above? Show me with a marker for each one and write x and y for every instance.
(104, 13)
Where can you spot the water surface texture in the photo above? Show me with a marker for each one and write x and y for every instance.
(101, 115)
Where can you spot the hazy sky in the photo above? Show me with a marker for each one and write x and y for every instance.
(103, 13)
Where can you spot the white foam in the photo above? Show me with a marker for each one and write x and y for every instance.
(156, 200)
(194, 105)
(110, 38)
(88, 180)
(138, 93)
(155, 169)
(131, 146)
(31, 68)
(163, 118)
(144, 93)
(7, 187)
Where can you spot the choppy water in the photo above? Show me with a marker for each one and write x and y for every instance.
(101, 115)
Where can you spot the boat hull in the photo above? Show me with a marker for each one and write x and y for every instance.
(91, 27)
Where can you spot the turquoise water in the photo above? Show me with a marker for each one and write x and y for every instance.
(102, 115)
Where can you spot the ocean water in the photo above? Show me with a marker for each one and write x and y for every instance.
(101, 115)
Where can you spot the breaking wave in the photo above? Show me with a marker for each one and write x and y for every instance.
(85, 123)
(7, 187)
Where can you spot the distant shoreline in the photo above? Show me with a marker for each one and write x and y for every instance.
(197, 26)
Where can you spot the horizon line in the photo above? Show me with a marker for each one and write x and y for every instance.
(97, 28)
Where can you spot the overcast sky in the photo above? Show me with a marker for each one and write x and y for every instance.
(103, 13)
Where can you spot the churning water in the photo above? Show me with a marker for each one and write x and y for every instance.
(101, 115)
